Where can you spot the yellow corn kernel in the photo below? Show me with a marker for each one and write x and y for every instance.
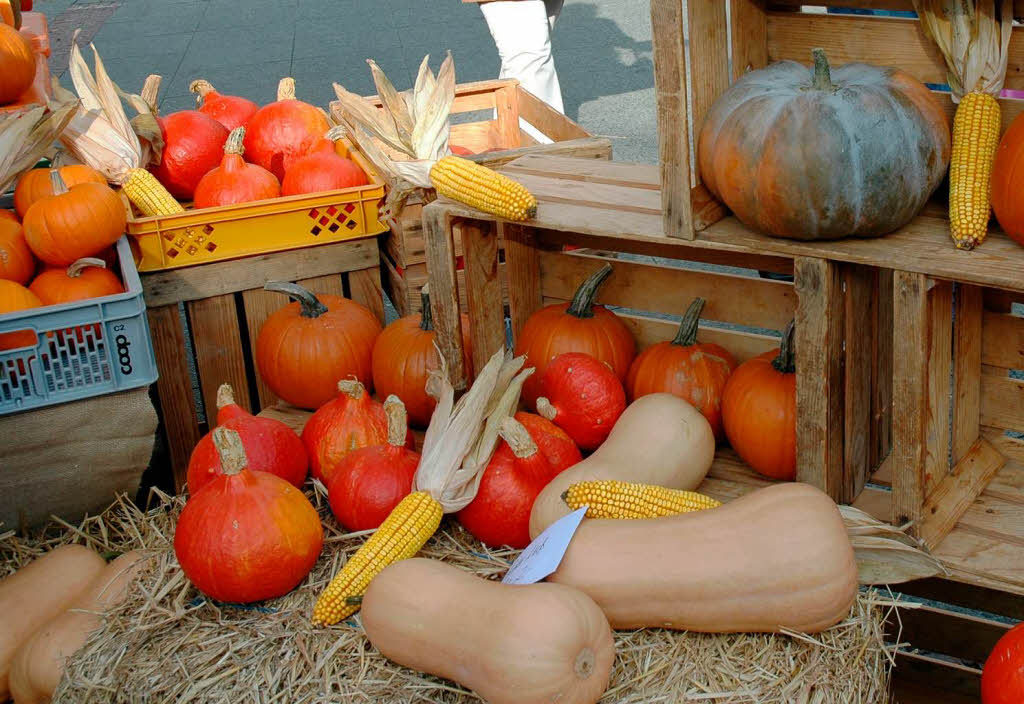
(975, 140)
(482, 188)
(609, 498)
(400, 536)
(149, 195)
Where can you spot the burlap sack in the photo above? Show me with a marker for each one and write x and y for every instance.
(71, 459)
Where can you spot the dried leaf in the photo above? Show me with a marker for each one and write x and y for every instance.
(109, 97)
(394, 107)
(81, 78)
(423, 89)
(432, 124)
(357, 111)
(886, 561)
(29, 135)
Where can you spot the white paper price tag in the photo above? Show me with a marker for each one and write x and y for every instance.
(543, 555)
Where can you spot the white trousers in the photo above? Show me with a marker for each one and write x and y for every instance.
(522, 33)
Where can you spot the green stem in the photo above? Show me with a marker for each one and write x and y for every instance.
(786, 361)
(582, 305)
(687, 334)
(426, 316)
(822, 75)
(311, 305)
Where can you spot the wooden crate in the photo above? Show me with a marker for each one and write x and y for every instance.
(225, 305)
(757, 33)
(495, 140)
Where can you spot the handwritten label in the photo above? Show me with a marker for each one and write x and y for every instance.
(543, 555)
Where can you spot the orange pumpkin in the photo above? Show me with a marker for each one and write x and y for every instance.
(322, 169)
(36, 184)
(229, 110)
(235, 180)
(86, 278)
(9, 215)
(1008, 181)
(74, 223)
(18, 62)
(16, 260)
(283, 131)
(759, 411)
(695, 372)
(403, 357)
(579, 326)
(304, 349)
(15, 297)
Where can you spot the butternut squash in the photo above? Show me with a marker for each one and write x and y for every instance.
(659, 439)
(776, 558)
(36, 593)
(39, 665)
(511, 644)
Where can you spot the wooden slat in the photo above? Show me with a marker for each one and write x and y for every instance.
(218, 347)
(483, 290)
(881, 383)
(1018, 5)
(1002, 402)
(708, 58)
(506, 103)
(444, 295)
(886, 41)
(599, 148)
(615, 173)
(259, 305)
(522, 268)
(1008, 483)
(1012, 447)
(983, 559)
(673, 131)
(177, 405)
(609, 197)
(749, 36)
(743, 345)
(956, 681)
(819, 358)
(861, 284)
(940, 364)
(971, 597)
(967, 342)
(1000, 300)
(957, 491)
(548, 121)
(1002, 340)
(330, 284)
(949, 632)
(364, 287)
(910, 393)
(875, 502)
(651, 287)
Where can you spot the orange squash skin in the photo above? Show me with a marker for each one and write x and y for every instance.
(16, 261)
(777, 558)
(15, 297)
(19, 64)
(35, 184)
(58, 286)
(1008, 181)
(63, 228)
(511, 644)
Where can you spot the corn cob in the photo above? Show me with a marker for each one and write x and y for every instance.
(399, 537)
(975, 140)
(149, 195)
(482, 188)
(614, 499)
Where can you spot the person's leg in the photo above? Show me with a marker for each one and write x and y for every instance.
(554, 8)
(522, 33)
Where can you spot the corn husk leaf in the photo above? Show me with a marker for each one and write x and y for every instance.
(423, 89)
(886, 554)
(28, 135)
(430, 135)
(357, 111)
(395, 108)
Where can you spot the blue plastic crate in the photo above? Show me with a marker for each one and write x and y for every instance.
(83, 349)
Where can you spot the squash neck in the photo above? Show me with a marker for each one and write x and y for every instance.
(230, 450)
(687, 334)
(785, 362)
(426, 316)
(822, 75)
(582, 305)
(311, 307)
(398, 422)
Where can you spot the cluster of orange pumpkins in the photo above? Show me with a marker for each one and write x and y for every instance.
(18, 58)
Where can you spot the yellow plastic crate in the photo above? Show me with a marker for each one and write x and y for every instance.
(232, 231)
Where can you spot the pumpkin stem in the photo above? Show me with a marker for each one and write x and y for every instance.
(311, 305)
(57, 183)
(235, 145)
(230, 449)
(225, 396)
(201, 87)
(16, 11)
(582, 305)
(426, 315)
(75, 270)
(398, 427)
(352, 388)
(518, 438)
(822, 75)
(545, 409)
(687, 334)
(286, 89)
(151, 90)
(786, 361)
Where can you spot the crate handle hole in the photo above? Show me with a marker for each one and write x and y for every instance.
(210, 246)
(315, 231)
(332, 211)
(351, 224)
(350, 207)
(333, 227)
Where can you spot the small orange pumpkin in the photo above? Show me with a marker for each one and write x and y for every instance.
(322, 169)
(36, 183)
(16, 260)
(9, 215)
(74, 223)
(1008, 181)
(235, 180)
(19, 64)
(15, 297)
(86, 278)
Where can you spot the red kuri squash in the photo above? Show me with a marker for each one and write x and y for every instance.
(16, 260)
(36, 183)
(516, 474)
(322, 169)
(235, 180)
(1008, 181)
(86, 278)
(283, 131)
(368, 483)
(18, 62)
(304, 349)
(403, 357)
(246, 536)
(759, 411)
(1002, 680)
(15, 297)
(270, 446)
(193, 144)
(579, 326)
(351, 421)
(583, 397)
(554, 443)
(694, 371)
(229, 110)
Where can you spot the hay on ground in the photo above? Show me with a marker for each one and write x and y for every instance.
(168, 643)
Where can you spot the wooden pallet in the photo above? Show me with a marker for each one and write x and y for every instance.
(225, 305)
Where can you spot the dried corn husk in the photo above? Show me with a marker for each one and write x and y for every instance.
(886, 554)
(974, 38)
(28, 135)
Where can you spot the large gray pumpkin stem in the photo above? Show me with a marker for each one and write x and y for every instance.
(822, 75)
(311, 305)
